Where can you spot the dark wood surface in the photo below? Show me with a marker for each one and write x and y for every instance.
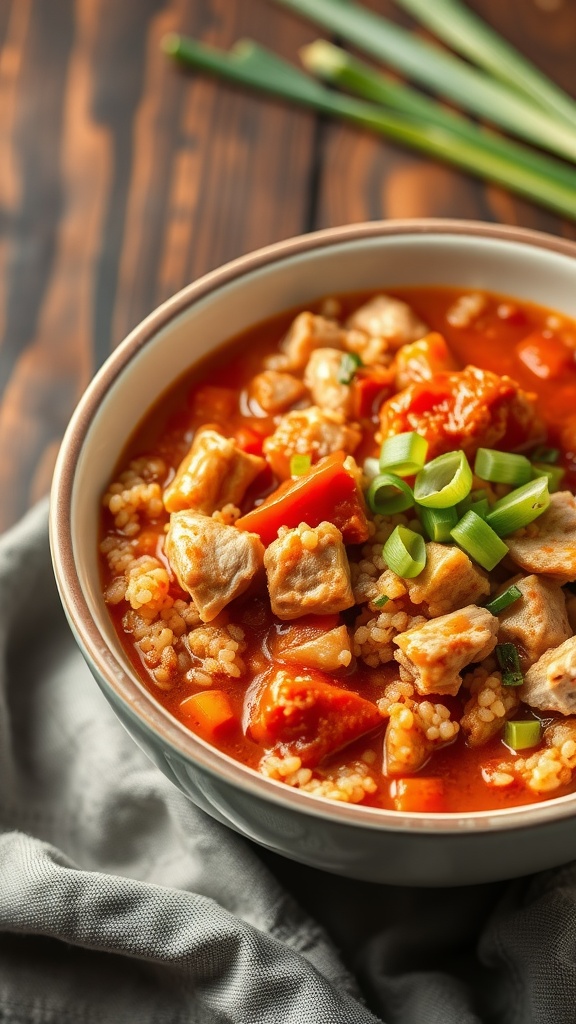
(122, 179)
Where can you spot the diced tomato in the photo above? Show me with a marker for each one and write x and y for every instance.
(328, 492)
(249, 440)
(418, 794)
(546, 358)
(370, 387)
(209, 712)
(307, 716)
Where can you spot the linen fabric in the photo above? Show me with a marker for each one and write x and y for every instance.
(122, 902)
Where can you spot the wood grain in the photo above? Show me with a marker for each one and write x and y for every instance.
(123, 178)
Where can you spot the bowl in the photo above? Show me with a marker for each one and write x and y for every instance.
(360, 842)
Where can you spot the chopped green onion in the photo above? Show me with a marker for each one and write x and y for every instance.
(522, 735)
(509, 662)
(504, 600)
(479, 541)
(555, 474)
(438, 522)
(381, 601)
(502, 467)
(481, 506)
(388, 495)
(349, 363)
(371, 468)
(444, 482)
(403, 454)
(300, 464)
(520, 507)
(405, 552)
(543, 454)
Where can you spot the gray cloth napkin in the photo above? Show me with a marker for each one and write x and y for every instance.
(121, 902)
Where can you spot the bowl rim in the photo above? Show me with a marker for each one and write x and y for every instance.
(139, 701)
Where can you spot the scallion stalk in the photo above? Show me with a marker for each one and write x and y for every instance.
(502, 467)
(523, 734)
(443, 482)
(388, 495)
(381, 601)
(543, 454)
(509, 662)
(403, 454)
(554, 475)
(438, 522)
(504, 600)
(479, 540)
(519, 508)
(349, 363)
(300, 464)
(405, 552)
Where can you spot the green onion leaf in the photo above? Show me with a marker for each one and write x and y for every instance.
(300, 464)
(405, 552)
(403, 454)
(481, 506)
(438, 522)
(388, 495)
(543, 454)
(520, 507)
(444, 482)
(554, 474)
(522, 735)
(381, 601)
(504, 600)
(479, 541)
(502, 467)
(509, 663)
(349, 363)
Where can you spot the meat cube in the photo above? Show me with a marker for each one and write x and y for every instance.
(432, 655)
(468, 409)
(386, 323)
(311, 432)
(308, 572)
(413, 733)
(550, 684)
(306, 333)
(489, 706)
(214, 563)
(314, 647)
(537, 621)
(214, 473)
(306, 716)
(466, 309)
(548, 545)
(322, 377)
(422, 359)
(449, 580)
(275, 391)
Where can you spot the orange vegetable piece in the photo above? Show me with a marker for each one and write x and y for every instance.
(210, 712)
(418, 794)
(546, 358)
(370, 386)
(249, 440)
(328, 492)
(306, 715)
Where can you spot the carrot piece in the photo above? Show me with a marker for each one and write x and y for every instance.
(369, 389)
(328, 492)
(418, 794)
(209, 711)
(546, 358)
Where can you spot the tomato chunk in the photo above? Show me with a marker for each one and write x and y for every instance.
(210, 712)
(418, 794)
(307, 716)
(328, 492)
(547, 358)
(249, 440)
(371, 385)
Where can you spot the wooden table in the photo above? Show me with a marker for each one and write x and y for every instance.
(122, 179)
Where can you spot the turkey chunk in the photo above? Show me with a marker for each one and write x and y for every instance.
(448, 581)
(550, 684)
(308, 572)
(275, 391)
(432, 655)
(327, 650)
(311, 432)
(386, 324)
(490, 704)
(214, 473)
(306, 333)
(537, 621)
(413, 733)
(322, 378)
(548, 545)
(214, 563)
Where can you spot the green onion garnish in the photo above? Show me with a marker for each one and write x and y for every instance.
(502, 467)
(520, 507)
(405, 552)
(504, 600)
(444, 482)
(300, 464)
(547, 455)
(479, 541)
(438, 522)
(371, 468)
(381, 601)
(388, 495)
(509, 663)
(403, 454)
(481, 506)
(349, 363)
(522, 735)
(554, 474)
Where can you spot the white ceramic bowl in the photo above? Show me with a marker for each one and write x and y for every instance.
(362, 842)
